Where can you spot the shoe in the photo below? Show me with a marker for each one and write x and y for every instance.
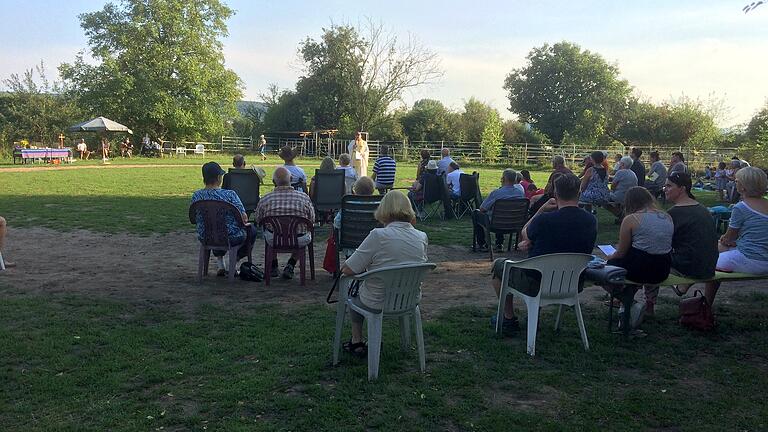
(274, 272)
(636, 314)
(288, 272)
(509, 326)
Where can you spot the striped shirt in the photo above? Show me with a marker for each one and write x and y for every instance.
(384, 168)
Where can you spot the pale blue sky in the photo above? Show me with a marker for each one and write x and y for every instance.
(664, 48)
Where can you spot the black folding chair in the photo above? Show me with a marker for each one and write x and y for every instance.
(246, 184)
(357, 221)
(436, 196)
(508, 216)
(470, 197)
(328, 190)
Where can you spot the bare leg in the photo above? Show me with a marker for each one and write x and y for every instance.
(710, 291)
(3, 231)
(509, 310)
(357, 326)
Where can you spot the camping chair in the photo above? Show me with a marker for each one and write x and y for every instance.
(200, 150)
(246, 184)
(507, 217)
(300, 185)
(435, 197)
(328, 190)
(560, 275)
(213, 213)
(470, 197)
(357, 221)
(2, 263)
(285, 231)
(403, 286)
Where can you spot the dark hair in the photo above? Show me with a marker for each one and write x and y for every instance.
(638, 198)
(238, 160)
(721, 165)
(679, 156)
(567, 187)
(384, 150)
(425, 154)
(654, 154)
(637, 152)
(597, 157)
(454, 165)
(526, 175)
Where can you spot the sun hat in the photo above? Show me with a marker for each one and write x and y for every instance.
(682, 180)
(287, 153)
(432, 165)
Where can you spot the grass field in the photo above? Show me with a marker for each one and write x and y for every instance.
(71, 362)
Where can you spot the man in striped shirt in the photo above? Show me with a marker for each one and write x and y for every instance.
(384, 170)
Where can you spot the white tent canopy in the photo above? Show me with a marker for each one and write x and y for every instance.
(99, 124)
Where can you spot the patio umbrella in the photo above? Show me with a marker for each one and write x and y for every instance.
(99, 124)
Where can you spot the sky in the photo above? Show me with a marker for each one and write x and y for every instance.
(701, 49)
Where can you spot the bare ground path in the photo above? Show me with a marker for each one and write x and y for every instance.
(160, 270)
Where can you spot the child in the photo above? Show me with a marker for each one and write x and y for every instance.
(721, 181)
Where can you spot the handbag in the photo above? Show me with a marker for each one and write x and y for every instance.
(696, 313)
(331, 254)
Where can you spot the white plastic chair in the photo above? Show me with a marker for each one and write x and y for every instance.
(181, 151)
(2, 263)
(403, 286)
(559, 285)
(200, 150)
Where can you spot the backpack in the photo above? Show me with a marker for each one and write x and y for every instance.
(250, 272)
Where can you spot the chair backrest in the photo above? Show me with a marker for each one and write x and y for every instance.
(285, 230)
(213, 215)
(509, 214)
(328, 189)
(402, 285)
(469, 185)
(357, 220)
(199, 148)
(246, 184)
(434, 188)
(560, 273)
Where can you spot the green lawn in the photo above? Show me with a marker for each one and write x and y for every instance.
(78, 363)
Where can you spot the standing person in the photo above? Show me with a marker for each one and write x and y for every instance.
(104, 149)
(694, 243)
(637, 166)
(298, 177)
(442, 164)
(594, 183)
(82, 148)
(263, 147)
(358, 150)
(744, 246)
(658, 175)
(384, 170)
(3, 232)
(425, 156)
(560, 226)
(452, 179)
(677, 163)
(481, 217)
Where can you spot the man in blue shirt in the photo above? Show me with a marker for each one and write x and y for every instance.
(559, 226)
(442, 164)
(212, 177)
(481, 216)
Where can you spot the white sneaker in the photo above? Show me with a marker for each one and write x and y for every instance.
(636, 314)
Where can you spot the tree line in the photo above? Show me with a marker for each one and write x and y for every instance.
(159, 68)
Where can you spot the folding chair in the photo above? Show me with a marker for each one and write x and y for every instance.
(357, 221)
(470, 197)
(246, 184)
(436, 196)
(328, 190)
(508, 216)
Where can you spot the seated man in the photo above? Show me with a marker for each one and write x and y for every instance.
(212, 177)
(285, 201)
(481, 217)
(384, 170)
(3, 231)
(559, 226)
(82, 148)
(298, 177)
(238, 162)
(452, 179)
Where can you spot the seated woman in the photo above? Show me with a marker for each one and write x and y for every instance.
(395, 244)
(744, 246)
(645, 239)
(212, 178)
(3, 232)
(416, 192)
(623, 180)
(529, 188)
(547, 194)
(326, 164)
(423, 162)
(594, 183)
(587, 164)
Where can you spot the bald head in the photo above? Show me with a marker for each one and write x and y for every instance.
(281, 177)
(445, 152)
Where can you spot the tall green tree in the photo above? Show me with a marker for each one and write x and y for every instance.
(559, 83)
(430, 120)
(160, 67)
(474, 118)
(490, 142)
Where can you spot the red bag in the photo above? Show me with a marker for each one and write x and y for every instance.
(331, 254)
(696, 313)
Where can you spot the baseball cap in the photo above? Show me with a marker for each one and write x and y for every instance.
(211, 170)
(683, 180)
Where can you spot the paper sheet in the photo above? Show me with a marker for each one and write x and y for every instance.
(607, 249)
(654, 176)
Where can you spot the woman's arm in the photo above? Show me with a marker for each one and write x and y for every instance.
(585, 180)
(625, 237)
(729, 238)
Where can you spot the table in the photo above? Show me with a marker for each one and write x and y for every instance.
(45, 154)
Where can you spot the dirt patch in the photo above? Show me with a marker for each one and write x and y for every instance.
(161, 269)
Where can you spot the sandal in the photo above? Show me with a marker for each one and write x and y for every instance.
(359, 349)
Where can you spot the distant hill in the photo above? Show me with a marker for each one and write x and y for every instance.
(249, 107)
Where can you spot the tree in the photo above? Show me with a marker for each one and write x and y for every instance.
(474, 118)
(360, 77)
(35, 108)
(559, 83)
(490, 143)
(755, 148)
(160, 67)
(430, 120)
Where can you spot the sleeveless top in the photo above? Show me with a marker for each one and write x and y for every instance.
(653, 233)
(596, 191)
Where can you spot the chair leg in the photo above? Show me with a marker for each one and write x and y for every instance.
(374, 345)
(557, 319)
(232, 263)
(311, 248)
(206, 264)
(517, 238)
(533, 325)
(500, 309)
(200, 264)
(420, 339)
(2, 263)
(341, 310)
(405, 332)
(303, 267)
(488, 242)
(582, 329)
(268, 257)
